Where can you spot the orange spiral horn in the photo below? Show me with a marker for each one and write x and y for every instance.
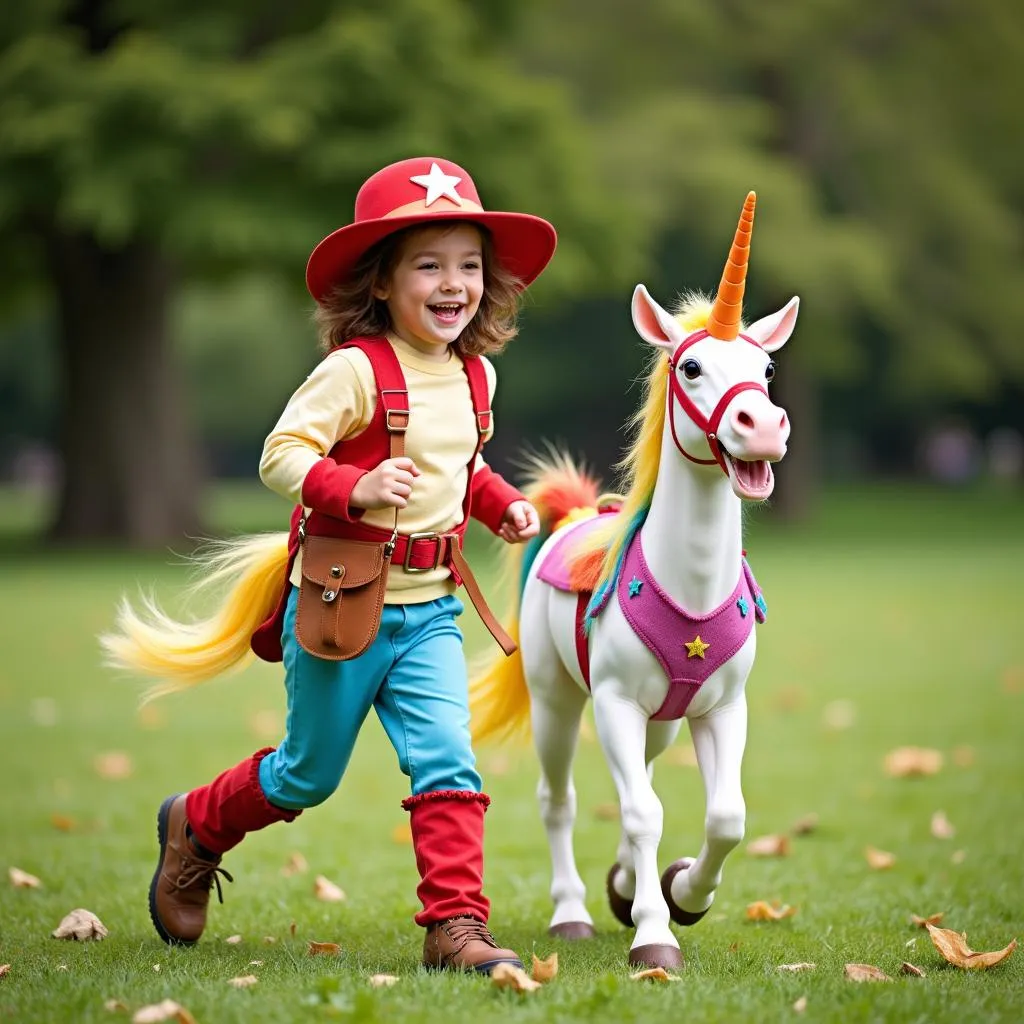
(724, 319)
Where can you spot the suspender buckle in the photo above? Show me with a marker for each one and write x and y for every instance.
(410, 540)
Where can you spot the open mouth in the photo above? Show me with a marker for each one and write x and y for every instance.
(752, 481)
(448, 313)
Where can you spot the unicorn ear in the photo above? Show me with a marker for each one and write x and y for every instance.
(652, 323)
(773, 331)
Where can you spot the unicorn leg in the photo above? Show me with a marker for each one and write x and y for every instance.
(622, 729)
(719, 739)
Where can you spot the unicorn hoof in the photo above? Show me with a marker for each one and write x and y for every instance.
(621, 907)
(676, 912)
(656, 954)
(572, 930)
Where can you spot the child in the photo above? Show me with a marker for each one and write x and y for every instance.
(410, 296)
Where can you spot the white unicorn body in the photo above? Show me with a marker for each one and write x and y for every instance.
(719, 436)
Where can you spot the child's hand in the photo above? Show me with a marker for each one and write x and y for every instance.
(389, 485)
(519, 523)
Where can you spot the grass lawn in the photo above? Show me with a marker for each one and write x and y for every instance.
(895, 620)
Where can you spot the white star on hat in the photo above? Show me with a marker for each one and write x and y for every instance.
(438, 184)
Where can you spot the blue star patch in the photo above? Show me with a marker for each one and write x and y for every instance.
(743, 607)
(760, 602)
(634, 586)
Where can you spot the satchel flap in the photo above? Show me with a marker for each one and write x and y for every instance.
(361, 561)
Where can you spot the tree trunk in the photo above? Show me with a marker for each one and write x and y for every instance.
(130, 467)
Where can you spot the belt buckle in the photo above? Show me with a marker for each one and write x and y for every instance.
(411, 538)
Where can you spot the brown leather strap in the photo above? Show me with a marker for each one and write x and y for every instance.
(476, 595)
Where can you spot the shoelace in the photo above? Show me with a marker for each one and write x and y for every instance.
(462, 929)
(196, 872)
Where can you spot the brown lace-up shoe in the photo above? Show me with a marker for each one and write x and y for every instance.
(464, 944)
(180, 890)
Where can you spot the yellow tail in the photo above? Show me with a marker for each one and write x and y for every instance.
(499, 700)
(149, 642)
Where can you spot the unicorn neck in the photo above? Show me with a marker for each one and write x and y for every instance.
(692, 537)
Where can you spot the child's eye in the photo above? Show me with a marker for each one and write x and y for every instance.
(472, 265)
(429, 265)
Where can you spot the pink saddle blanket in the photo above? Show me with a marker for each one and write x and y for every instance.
(554, 569)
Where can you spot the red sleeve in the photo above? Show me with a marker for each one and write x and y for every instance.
(327, 488)
(492, 495)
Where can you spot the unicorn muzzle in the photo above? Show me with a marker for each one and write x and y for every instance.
(757, 433)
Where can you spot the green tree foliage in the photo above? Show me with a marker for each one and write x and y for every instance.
(144, 143)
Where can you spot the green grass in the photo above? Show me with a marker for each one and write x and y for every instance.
(906, 604)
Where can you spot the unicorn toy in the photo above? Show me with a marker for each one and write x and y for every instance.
(645, 603)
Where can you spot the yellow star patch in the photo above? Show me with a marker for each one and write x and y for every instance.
(695, 648)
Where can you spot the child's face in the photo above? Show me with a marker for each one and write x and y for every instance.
(435, 287)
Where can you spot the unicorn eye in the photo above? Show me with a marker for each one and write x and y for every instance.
(769, 372)
(691, 369)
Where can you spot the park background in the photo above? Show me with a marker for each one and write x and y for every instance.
(165, 169)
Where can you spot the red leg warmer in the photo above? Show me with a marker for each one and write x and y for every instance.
(221, 813)
(448, 837)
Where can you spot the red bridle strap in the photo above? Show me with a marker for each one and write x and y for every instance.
(708, 424)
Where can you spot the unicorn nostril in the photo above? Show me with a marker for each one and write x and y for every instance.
(745, 420)
(784, 422)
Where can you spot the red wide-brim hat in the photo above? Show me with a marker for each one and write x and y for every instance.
(424, 191)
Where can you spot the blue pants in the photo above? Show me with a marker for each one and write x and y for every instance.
(413, 675)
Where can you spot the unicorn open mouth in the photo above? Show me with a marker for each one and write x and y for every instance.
(447, 312)
(752, 481)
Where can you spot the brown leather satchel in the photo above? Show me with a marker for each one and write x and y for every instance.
(341, 595)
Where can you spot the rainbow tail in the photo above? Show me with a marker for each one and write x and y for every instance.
(180, 654)
(499, 700)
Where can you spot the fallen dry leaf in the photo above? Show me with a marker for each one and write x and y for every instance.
(544, 970)
(653, 974)
(865, 972)
(909, 761)
(941, 827)
(22, 879)
(607, 812)
(920, 922)
(63, 823)
(115, 764)
(1013, 679)
(115, 1006)
(295, 865)
(769, 846)
(509, 976)
(800, 1005)
(323, 949)
(879, 860)
(383, 980)
(805, 826)
(254, 963)
(958, 857)
(167, 1010)
(953, 947)
(149, 716)
(266, 725)
(326, 890)
(908, 968)
(963, 756)
(497, 765)
(839, 715)
(402, 834)
(292, 928)
(82, 925)
(734, 947)
(269, 940)
(244, 981)
(156, 967)
(5, 969)
(796, 967)
(681, 756)
(233, 940)
(789, 698)
(760, 910)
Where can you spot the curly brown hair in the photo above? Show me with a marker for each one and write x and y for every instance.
(350, 310)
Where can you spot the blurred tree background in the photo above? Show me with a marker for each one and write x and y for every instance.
(165, 169)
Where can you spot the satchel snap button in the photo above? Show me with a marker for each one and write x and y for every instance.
(335, 570)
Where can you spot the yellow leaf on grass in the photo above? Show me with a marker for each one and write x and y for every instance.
(63, 823)
(681, 756)
(805, 826)
(908, 968)
(941, 827)
(115, 1006)
(963, 756)
(839, 715)
(244, 981)
(920, 922)
(760, 910)
(865, 972)
(115, 764)
(325, 889)
(904, 762)
(958, 857)
(233, 940)
(953, 947)
(324, 949)
(879, 860)
(82, 925)
(509, 976)
(295, 865)
(383, 980)
(544, 970)
(22, 879)
(266, 725)
(402, 834)
(653, 974)
(167, 1010)
(796, 967)
(5, 969)
(769, 846)
(800, 1005)
(607, 812)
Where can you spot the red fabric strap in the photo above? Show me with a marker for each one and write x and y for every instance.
(582, 646)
